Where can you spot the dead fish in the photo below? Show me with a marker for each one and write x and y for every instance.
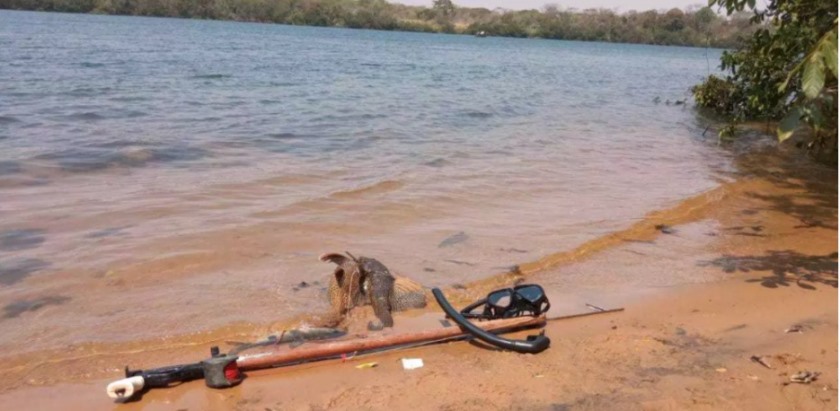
(454, 239)
(295, 337)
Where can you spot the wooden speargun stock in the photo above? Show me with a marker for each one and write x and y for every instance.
(278, 356)
(220, 370)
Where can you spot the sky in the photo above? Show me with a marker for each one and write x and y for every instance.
(619, 5)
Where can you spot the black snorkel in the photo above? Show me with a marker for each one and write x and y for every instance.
(532, 345)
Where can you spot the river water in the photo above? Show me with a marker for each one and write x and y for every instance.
(164, 176)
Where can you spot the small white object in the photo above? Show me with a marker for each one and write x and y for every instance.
(412, 363)
(125, 388)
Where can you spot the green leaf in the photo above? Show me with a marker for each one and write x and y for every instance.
(789, 124)
(813, 77)
(829, 53)
(813, 114)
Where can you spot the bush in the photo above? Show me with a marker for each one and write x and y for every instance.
(717, 94)
(786, 71)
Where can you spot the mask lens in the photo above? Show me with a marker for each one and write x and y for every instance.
(500, 299)
(531, 293)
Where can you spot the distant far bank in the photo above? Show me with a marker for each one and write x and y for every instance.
(699, 27)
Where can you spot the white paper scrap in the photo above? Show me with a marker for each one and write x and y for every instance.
(412, 363)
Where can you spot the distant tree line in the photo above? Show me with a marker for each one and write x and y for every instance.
(693, 27)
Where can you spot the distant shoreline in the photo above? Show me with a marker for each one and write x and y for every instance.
(699, 28)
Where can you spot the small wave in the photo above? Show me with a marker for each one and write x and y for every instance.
(87, 64)
(107, 232)
(8, 120)
(381, 187)
(21, 239)
(15, 270)
(86, 116)
(10, 167)
(134, 114)
(88, 159)
(332, 119)
(283, 136)
(118, 144)
(14, 182)
(169, 154)
(438, 163)
(324, 202)
(128, 99)
(15, 309)
(87, 91)
(135, 157)
(286, 143)
(97, 116)
(478, 114)
(369, 116)
(211, 76)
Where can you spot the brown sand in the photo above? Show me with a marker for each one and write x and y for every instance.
(763, 250)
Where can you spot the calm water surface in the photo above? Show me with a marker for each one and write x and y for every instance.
(153, 171)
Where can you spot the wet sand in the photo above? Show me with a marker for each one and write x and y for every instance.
(762, 253)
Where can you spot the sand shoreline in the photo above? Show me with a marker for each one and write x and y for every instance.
(687, 349)
(765, 255)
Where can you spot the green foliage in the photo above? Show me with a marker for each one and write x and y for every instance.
(444, 7)
(717, 94)
(813, 77)
(786, 71)
(698, 27)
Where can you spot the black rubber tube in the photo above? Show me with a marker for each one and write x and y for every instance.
(534, 344)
